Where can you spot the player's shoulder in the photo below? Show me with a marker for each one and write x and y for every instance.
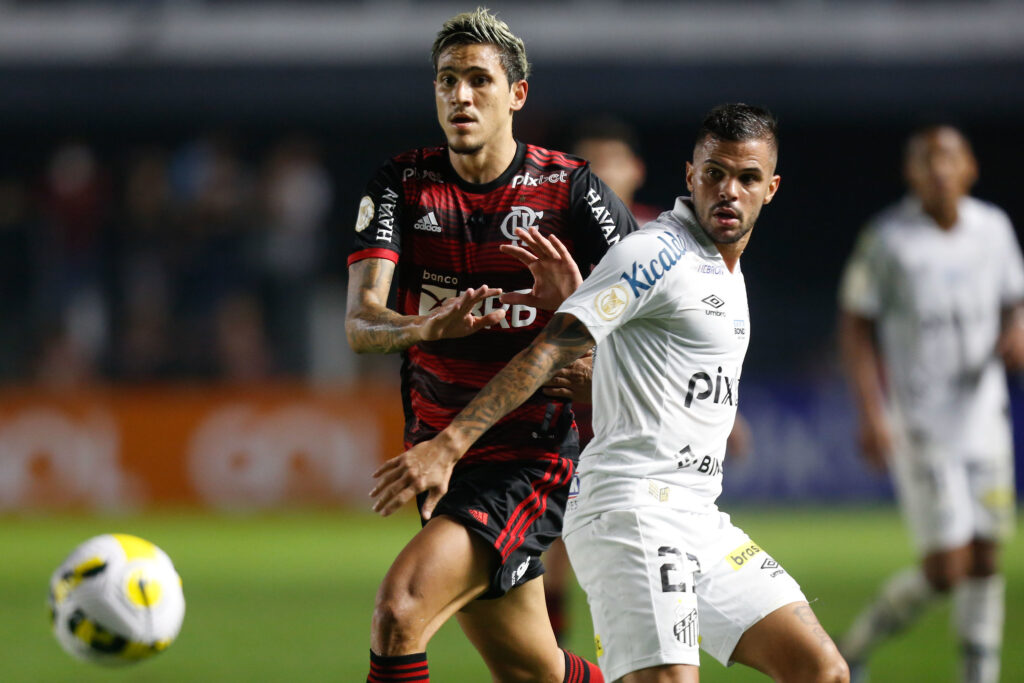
(544, 159)
(656, 236)
(427, 163)
(984, 212)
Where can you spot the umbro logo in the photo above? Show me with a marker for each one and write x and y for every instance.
(428, 223)
(713, 301)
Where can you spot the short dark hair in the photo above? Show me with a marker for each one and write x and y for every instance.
(482, 27)
(606, 128)
(930, 126)
(738, 122)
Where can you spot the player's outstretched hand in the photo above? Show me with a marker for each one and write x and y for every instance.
(573, 381)
(427, 466)
(455, 317)
(555, 273)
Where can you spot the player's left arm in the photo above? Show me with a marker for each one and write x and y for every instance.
(428, 465)
(1010, 346)
(1011, 337)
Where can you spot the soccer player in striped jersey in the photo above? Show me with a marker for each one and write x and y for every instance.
(931, 300)
(445, 224)
(666, 573)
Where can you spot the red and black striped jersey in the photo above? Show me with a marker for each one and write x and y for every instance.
(443, 234)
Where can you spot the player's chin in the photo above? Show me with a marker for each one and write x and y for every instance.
(461, 145)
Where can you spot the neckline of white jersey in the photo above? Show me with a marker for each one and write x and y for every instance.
(683, 213)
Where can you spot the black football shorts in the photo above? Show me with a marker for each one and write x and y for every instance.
(516, 506)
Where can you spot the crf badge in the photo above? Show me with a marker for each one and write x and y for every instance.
(521, 217)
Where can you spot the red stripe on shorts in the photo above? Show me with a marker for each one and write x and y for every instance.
(532, 507)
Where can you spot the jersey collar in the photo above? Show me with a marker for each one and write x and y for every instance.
(483, 188)
(683, 212)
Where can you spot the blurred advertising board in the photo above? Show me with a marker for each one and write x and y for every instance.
(246, 447)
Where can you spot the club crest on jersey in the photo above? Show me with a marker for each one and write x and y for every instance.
(611, 302)
(365, 213)
(520, 217)
(645, 276)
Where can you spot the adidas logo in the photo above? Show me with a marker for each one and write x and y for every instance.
(428, 223)
(479, 515)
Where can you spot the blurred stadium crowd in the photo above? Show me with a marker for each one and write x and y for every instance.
(193, 261)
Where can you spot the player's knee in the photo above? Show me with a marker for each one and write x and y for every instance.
(833, 669)
(396, 621)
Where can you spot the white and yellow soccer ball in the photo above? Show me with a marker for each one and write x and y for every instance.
(116, 600)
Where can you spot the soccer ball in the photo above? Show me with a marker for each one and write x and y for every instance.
(116, 600)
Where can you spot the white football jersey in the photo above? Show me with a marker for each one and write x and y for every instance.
(937, 297)
(672, 327)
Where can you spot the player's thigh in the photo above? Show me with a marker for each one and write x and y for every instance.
(934, 496)
(791, 645)
(513, 634)
(993, 502)
(638, 574)
(441, 569)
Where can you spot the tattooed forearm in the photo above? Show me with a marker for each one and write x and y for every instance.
(563, 340)
(380, 331)
(371, 326)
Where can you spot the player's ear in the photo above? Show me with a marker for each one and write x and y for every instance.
(773, 187)
(519, 89)
(689, 176)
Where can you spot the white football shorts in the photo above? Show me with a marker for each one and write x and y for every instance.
(662, 583)
(949, 498)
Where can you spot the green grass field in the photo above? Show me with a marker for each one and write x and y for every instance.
(288, 597)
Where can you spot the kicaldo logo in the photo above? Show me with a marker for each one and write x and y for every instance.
(742, 555)
(241, 457)
(51, 458)
(519, 315)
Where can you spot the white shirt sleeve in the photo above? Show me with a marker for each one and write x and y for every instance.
(1011, 286)
(621, 288)
(860, 286)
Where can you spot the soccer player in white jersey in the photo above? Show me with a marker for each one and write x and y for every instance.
(665, 572)
(930, 301)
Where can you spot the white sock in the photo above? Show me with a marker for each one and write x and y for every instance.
(979, 607)
(898, 604)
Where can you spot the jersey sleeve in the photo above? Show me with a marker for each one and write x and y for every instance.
(1011, 286)
(377, 233)
(611, 296)
(860, 287)
(598, 216)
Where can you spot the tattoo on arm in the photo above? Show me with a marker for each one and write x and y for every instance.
(371, 326)
(806, 616)
(563, 340)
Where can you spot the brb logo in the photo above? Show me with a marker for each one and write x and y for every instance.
(519, 315)
(521, 217)
(726, 389)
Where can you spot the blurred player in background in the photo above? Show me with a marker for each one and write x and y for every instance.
(664, 570)
(930, 318)
(447, 222)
